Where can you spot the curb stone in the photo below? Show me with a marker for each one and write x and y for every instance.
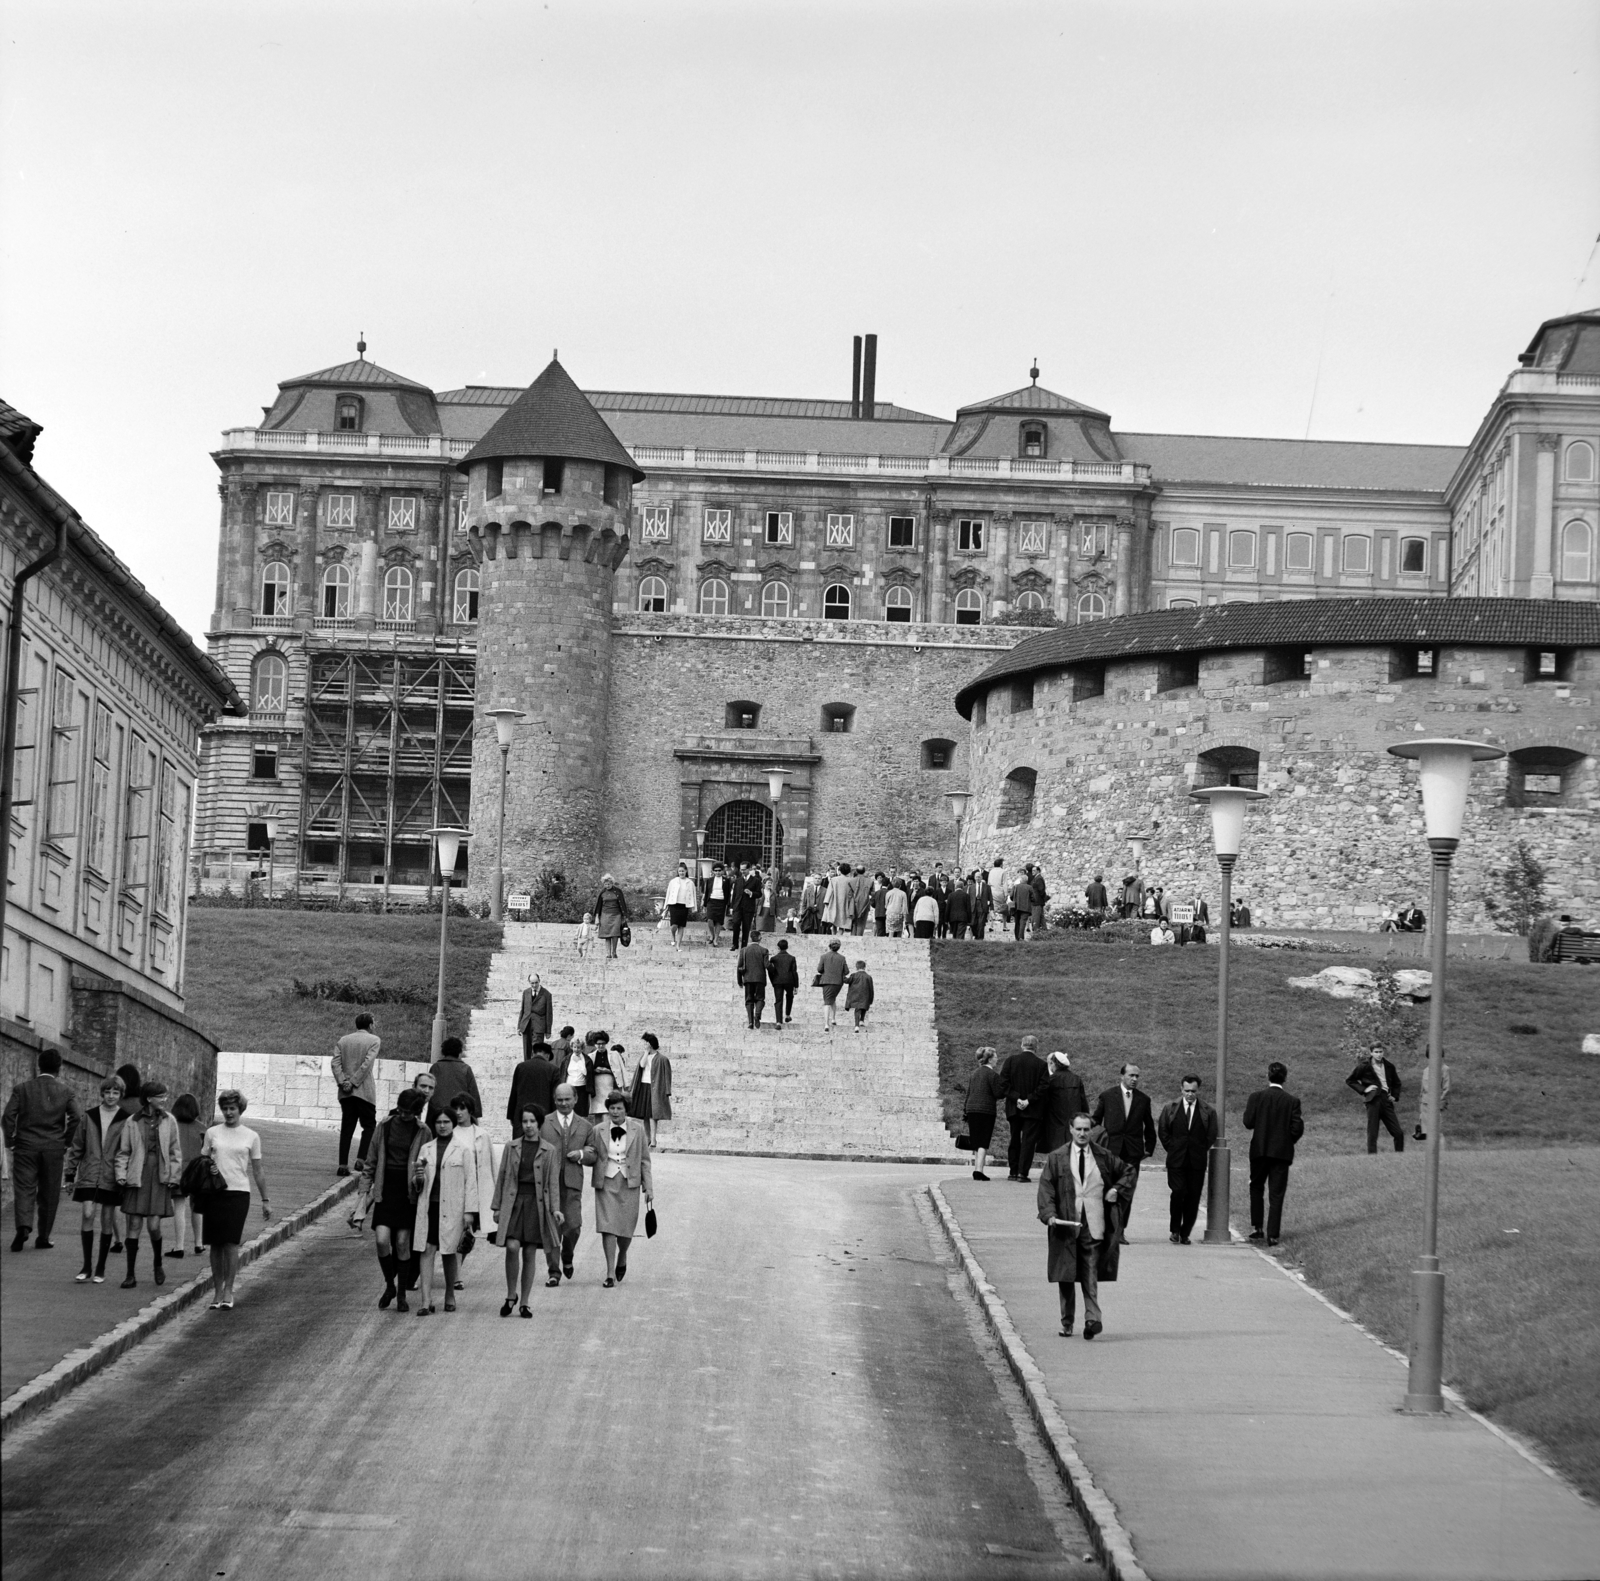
(1113, 1543)
(40, 1393)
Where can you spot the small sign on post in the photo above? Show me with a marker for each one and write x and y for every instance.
(519, 902)
(1182, 915)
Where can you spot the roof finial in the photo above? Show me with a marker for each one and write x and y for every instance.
(361, 345)
(1033, 372)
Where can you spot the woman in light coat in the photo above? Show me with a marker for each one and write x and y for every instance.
(894, 911)
(478, 1140)
(839, 904)
(527, 1206)
(445, 1175)
(621, 1172)
(149, 1164)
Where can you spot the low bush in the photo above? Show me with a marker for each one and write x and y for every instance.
(351, 991)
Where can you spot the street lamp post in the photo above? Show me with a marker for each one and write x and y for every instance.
(504, 719)
(1136, 844)
(272, 851)
(1228, 803)
(1445, 767)
(700, 856)
(959, 802)
(448, 842)
(775, 783)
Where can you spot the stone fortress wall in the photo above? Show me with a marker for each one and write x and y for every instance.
(1341, 838)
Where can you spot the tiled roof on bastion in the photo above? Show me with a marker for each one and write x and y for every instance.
(1309, 623)
(552, 417)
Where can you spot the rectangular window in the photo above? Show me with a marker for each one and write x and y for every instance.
(1297, 551)
(1414, 554)
(902, 532)
(100, 778)
(458, 512)
(264, 763)
(30, 706)
(403, 513)
(280, 510)
(554, 472)
(655, 523)
(166, 839)
(341, 510)
(136, 826)
(1186, 546)
(1241, 551)
(1094, 537)
(780, 527)
(841, 532)
(719, 527)
(1033, 538)
(1357, 554)
(66, 736)
(969, 535)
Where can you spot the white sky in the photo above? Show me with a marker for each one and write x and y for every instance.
(1183, 210)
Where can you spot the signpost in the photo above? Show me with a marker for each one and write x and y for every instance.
(519, 902)
(1183, 916)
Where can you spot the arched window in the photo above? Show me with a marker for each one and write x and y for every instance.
(897, 604)
(1186, 546)
(1091, 606)
(1180, 603)
(336, 592)
(1413, 554)
(1580, 461)
(269, 684)
(1228, 766)
(653, 596)
(836, 602)
(741, 714)
(466, 600)
(938, 753)
(348, 413)
(969, 607)
(1577, 552)
(397, 593)
(775, 600)
(838, 718)
(714, 596)
(275, 589)
(1357, 553)
(1016, 797)
(1242, 549)
(1031, 600)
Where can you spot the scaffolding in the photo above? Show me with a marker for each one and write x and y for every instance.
(387, 757)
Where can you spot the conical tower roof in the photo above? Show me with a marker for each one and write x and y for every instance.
(552, 417)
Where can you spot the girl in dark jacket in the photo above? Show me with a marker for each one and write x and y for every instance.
(91, 1172)
(981, 1106)
(387, 1172)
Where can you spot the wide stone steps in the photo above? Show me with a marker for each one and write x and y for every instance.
(799, 1091)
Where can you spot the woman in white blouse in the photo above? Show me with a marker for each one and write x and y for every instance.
(236, 1151)
(681, 900)
(651, 1097)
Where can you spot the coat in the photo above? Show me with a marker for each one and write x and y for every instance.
(351, 1066)
(372, 1171)
(836, 909)
(832, 970)
(983, 1092)
(579, 1137)
(958, 909)
(1021, 1076)
(1021, 896)
(1188, 1149)
(1059, 1097)
(1058, 1198)
(860, 896)
(92, 1158)
(546, 1186)
(533, 1081)
(484, 1148)
(859, 994)
(459, 1190)
(982, 903)
(1273, 1119)
(635, 1157)
(129, 1165)
(784, 970)
(610, 912)
(453, 1077)
(660, 1086)
(537, 1015)
(894, 908)
(752, 967)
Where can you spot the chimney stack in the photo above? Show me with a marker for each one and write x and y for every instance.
(855, 379)
(869, 379)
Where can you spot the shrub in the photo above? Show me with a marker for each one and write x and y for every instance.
(351, 991)
(1385, 1020)
(1519, 899)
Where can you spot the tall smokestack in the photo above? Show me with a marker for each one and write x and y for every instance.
(855, 379)
(869, 378)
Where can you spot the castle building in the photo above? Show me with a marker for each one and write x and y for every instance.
(791, 585)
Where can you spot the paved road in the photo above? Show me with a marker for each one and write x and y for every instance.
(786, 1385)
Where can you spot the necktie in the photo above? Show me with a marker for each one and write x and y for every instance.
(618, 1132)
(1080, 1166)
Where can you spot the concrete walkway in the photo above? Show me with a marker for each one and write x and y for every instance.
(46, 1314)
(1243, 1429)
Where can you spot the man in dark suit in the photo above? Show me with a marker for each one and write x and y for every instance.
(1130, 1131)
(534, 1020)
(1272, 1117)
(1020, 1079)
(41, 1117)
(1377, 1083)
(1187, 1129)
(572, 1136)
(1078, 1190)
(532, 1082)
(746, 902)
(751, 975)
(1061, 1099)
(784, 970)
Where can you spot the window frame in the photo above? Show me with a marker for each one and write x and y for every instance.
(358, 409)
(1575, 447)
(269, 659)
(1346, 542)
(1084, 614)
(773, 587)
(655, 523)
(1033, 539)
(339, 512)
(707, 594)
(1239, 538)
(1567, 531)
(403, 512)
(464, 585)
(969, 534)
(909, 523)
(897, 596)
(717, 526)
(395, 578)
(337, 579)
(968, 603)
(1031, 598)
(260, 751)
(1185, 533)
(1404, 569)
(778, 529)
(1310, 541)
(831, 604)
(1033, 432)
(283, 589)
(841, 530)
(278, 508)
(645, 593)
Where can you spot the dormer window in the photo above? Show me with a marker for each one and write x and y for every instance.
(1033, 439)
(347, 414)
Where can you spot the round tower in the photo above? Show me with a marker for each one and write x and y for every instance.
(549, 490)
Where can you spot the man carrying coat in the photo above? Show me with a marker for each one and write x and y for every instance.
(1187, 1129)
(1078, 1190)
(572, 1136)
(1130, 1131)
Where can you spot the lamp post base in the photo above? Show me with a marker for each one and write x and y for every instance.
(1218, 1183)
(439, 1030)
(1424, 1393)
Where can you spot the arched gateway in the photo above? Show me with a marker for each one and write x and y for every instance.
(741, 831)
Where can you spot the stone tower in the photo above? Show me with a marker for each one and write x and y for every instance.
(549, 490)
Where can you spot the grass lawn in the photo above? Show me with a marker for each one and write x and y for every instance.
(1521, 1340)
(241, 964)
(1106, 1003)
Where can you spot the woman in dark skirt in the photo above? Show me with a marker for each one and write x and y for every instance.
(610, 913)
(191, 1138)
(650, 1098)
(149, 1162)
(981, 1106)
(387, 1172)
(92, 1174)
(527, 1207)
(236, 1151)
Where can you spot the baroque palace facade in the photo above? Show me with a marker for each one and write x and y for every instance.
(788, 584)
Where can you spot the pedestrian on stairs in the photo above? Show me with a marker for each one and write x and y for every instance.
(610, 913)
(858, 997)
(746, 903)
(149, 1162)
(784, 970)
(681, 899)
(536, 1014)
(650, 1098)
(833, 970)
(751, 975)
(572, 1136)
(716, 903)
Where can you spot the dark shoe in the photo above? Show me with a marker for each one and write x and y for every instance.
(342, 1170)
(978, 1174)
(1091, 1329)
(461, 1284)
(552, 1281)
(160, 1273)
(400, 1302)
(116, 1246)
(174, 1254)
(1256, 1235)
(424, 1311)
(1183, 1240)
(42, 1245)
(566, 1269)
(1175, 1239)
(608, 1283)
(130, 1283)
(1066, 1331)
(622, 1272)
(449, 1305)
(507, 1305)
(20, 1239)
(1272, 1240)
(524, 1311)
(386, 1300)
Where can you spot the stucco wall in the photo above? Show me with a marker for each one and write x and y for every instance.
(1341, 837)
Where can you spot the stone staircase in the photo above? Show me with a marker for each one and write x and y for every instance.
(801, 1092)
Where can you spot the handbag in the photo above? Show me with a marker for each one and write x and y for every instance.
(626, 935)
(965, 1144)
(649, 1222)
(201, 1178)
(468, 1241)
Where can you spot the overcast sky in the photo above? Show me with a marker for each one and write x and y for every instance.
(1197, 217)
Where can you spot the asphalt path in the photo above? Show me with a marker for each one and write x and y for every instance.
(791, 1382)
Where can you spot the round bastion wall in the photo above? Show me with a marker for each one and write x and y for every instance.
(1068, 760)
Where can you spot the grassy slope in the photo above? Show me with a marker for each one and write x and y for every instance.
(240, 966)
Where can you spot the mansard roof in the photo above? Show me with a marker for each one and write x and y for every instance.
(1569, 344)
(1306, 623)
(358, 372)
(552, 417)
(1034, 398)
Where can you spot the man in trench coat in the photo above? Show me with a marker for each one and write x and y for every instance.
(1078, 1205)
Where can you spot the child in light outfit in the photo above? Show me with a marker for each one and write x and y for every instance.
(585, 933)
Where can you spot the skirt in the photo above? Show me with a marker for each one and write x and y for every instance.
(521, 1224)
(150, 1199)
(111, 1196)
(394, 1210)
(433, 1222)
(678, 915)
(639, 1101)
(924, 930)
(716, 910)
(225, 1213)
(980, 1127)
(616, 1207)
(830, 995)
